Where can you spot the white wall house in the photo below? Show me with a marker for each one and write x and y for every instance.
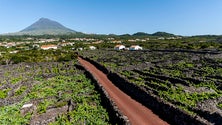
(92, 47)
(66, 44)
(79, 49)
(119, 47)
(135, 47)
(47, 47)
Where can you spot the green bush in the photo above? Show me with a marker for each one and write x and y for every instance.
(20, 91)
(4, 93)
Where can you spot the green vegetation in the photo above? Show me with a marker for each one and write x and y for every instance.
(183, 78)
(15, 80)
(3, 93)
(220, 105)
(11, 115)
(184, 71)
(20, 90)
(37, 56)
(49, 86)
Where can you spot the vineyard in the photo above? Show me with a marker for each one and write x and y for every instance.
(49, 93)
(189, 80)
(38, 90)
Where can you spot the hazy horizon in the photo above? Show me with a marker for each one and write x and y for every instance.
(117, 17)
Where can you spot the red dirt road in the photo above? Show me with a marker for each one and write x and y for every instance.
(136, 112)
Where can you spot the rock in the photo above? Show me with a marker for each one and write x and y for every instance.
(27, 105)
(28, 108)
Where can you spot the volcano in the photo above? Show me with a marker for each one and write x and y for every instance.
(46, 26)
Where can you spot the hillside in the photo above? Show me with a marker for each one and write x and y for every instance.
(45, 26)
(157, 34)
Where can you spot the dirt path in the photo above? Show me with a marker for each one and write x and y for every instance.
(136, 113)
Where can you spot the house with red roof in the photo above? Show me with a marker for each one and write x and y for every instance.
(119, 47)
(50, 46)
(135, 47)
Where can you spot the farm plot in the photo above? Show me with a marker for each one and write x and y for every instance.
(189, 80)
(48, 93)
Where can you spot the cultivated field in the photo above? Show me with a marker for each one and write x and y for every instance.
(190, 80)
(48, 93)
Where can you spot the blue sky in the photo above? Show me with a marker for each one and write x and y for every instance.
(182, 17)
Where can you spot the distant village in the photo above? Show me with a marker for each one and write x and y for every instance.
(89, 43)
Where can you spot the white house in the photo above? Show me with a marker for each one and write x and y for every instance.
(66, 44)
(119, 47)
(35, 46)
(16, 51)
(92, 47)
(135, 47)
(79, 49)
(47, 47)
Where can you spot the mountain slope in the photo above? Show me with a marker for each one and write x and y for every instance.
(163, 34)
(45, 26)
(157, 34)
(141, 34)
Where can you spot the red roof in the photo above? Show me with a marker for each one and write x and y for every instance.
(48, 46)
(118, 45)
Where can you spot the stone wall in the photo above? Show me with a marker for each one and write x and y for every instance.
(115, 115)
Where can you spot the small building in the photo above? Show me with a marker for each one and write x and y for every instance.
(79, 49)
(10, 44)
(35, 46)
(66, 44)
(116, 41)
(161, 38)
(119, 47)
(47, 47)
(15, 51)
(92, 47)
(135, 47)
